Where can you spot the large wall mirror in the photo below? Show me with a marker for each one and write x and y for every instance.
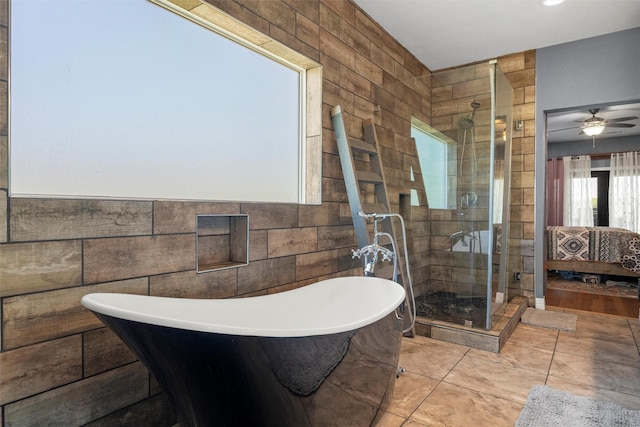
(129, 100)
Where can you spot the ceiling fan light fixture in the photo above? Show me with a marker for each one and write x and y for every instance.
(593, 129)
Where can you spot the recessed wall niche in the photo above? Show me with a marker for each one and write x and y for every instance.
(222, 241)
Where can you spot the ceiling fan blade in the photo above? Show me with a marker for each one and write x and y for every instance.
(620, 125)
(622, 119)
(559, 130)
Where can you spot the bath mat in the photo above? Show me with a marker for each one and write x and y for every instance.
(549, 407)
(549, 319)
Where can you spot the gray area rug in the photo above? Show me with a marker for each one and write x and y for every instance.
(549, 407)
(549, 319)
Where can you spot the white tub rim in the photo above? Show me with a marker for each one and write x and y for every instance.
(326, 307)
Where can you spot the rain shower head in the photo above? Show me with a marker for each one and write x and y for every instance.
(467, 122)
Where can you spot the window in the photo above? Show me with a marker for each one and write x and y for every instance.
(600, 197)
(145, 104)
(434, 153)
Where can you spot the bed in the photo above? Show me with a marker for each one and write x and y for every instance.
(594, 250)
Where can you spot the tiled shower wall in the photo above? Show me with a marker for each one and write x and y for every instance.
(450, 92)
(59, 366)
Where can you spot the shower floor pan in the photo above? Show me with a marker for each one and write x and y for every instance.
(453, 311)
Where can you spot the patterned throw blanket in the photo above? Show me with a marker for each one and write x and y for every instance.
(603, 244)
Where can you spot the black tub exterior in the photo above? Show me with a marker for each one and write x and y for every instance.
(341, 379)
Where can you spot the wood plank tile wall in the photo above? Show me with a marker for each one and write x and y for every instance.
(59, 365)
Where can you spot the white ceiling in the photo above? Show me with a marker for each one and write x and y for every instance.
(449, 33)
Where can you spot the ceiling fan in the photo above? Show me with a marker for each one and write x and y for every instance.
(595, 125)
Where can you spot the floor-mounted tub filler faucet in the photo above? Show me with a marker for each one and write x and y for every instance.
(373, 252)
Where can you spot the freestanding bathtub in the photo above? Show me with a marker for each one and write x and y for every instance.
(321, 355)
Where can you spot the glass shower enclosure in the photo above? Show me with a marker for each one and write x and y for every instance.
(465, 159)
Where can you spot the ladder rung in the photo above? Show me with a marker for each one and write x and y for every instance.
(362, 145)
(369, 177)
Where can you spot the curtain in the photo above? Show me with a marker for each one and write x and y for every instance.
(578, 206)
(498, 191)
(555, 191)
(624, 191)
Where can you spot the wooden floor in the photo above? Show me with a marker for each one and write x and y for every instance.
(589, 301)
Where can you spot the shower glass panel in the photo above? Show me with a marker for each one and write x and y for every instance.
(471, 114)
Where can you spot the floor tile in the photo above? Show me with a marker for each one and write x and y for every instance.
(629, 401)
(451, 405)
(596, 373)
(454, 385)
(609, 351)
(515, 355)
(409, 391)
(494, 378)
(431, 360)
(387, 419)
(635, 330)
(412, 423)
(531, 336)
(441, 345)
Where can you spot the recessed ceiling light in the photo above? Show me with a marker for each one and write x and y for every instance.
(551, 2)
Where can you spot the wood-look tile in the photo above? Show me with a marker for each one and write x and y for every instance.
(103, 350)
(596, 373)
(336, 237)
(170, 217)
(629, 401)
(322, 215)
(264, 274)
(42, 316)
(3, 204)
(82, 401)
(189, 284)
(156, 411)
(291, 241)
(494, 378)
(270, 215)
(316, 264)
(451, 405)
(39, 266)
(57, 219)
(40, 367)
(609, 351)
(120, 258)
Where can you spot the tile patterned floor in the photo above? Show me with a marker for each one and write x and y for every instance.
(453, 385)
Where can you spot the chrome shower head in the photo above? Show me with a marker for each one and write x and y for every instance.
(467, 122)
